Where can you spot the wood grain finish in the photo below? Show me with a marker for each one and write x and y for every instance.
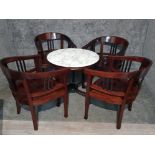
(34, 87)
(119, 85)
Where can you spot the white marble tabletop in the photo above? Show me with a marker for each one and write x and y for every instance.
(72, 57)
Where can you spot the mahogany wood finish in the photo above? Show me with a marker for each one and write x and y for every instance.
(50, 41)
(31, 86)
(119, 85)
(106, 45)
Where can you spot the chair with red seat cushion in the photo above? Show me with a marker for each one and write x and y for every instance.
(32, 87)
(119, 85)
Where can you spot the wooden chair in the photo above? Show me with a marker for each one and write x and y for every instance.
(50, 41)
(120, 85)
(32, 87)
(106, 45)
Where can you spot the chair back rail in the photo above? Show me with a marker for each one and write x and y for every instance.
(117, 45)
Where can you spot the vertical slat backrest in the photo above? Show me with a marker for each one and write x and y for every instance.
(50, 45)
(126, 65)
(116, 45)
(21, 65)
(113, 49)
(48, 42)
(13, 75)
(130, 64)
(51, 39)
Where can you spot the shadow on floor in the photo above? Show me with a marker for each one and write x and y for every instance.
(49, 105)
(104, 105)
(1, 116)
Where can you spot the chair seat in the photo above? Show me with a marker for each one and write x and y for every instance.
(107, 98)
(38, 91)
(112, 91)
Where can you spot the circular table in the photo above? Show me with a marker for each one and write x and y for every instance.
(73, 58)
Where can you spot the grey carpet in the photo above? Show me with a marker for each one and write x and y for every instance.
(143, 110)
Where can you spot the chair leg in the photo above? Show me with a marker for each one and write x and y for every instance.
(120, 115)
(83, 81)
(18, 108)
(66, 105)
(87, 102)
(34, 117)
(130, 106)
(58, 102)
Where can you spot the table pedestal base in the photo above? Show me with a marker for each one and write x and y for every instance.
(73, 88)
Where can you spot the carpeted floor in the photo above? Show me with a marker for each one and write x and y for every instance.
(143, 111)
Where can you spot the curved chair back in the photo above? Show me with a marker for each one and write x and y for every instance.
(111, 45)
(50, 41)
(13, 67)
(105, 45)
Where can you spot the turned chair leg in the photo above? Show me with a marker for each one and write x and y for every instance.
(34, 117)
(18, 108)
(58, 102)
(87, 102)
(120, 116)
(83, 81)
(66, 105)
(130, 106)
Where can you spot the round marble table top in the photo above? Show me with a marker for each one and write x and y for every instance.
(72, 57)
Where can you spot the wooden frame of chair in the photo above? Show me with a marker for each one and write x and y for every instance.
(33, 87)
(118, 46)
(110, 91)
